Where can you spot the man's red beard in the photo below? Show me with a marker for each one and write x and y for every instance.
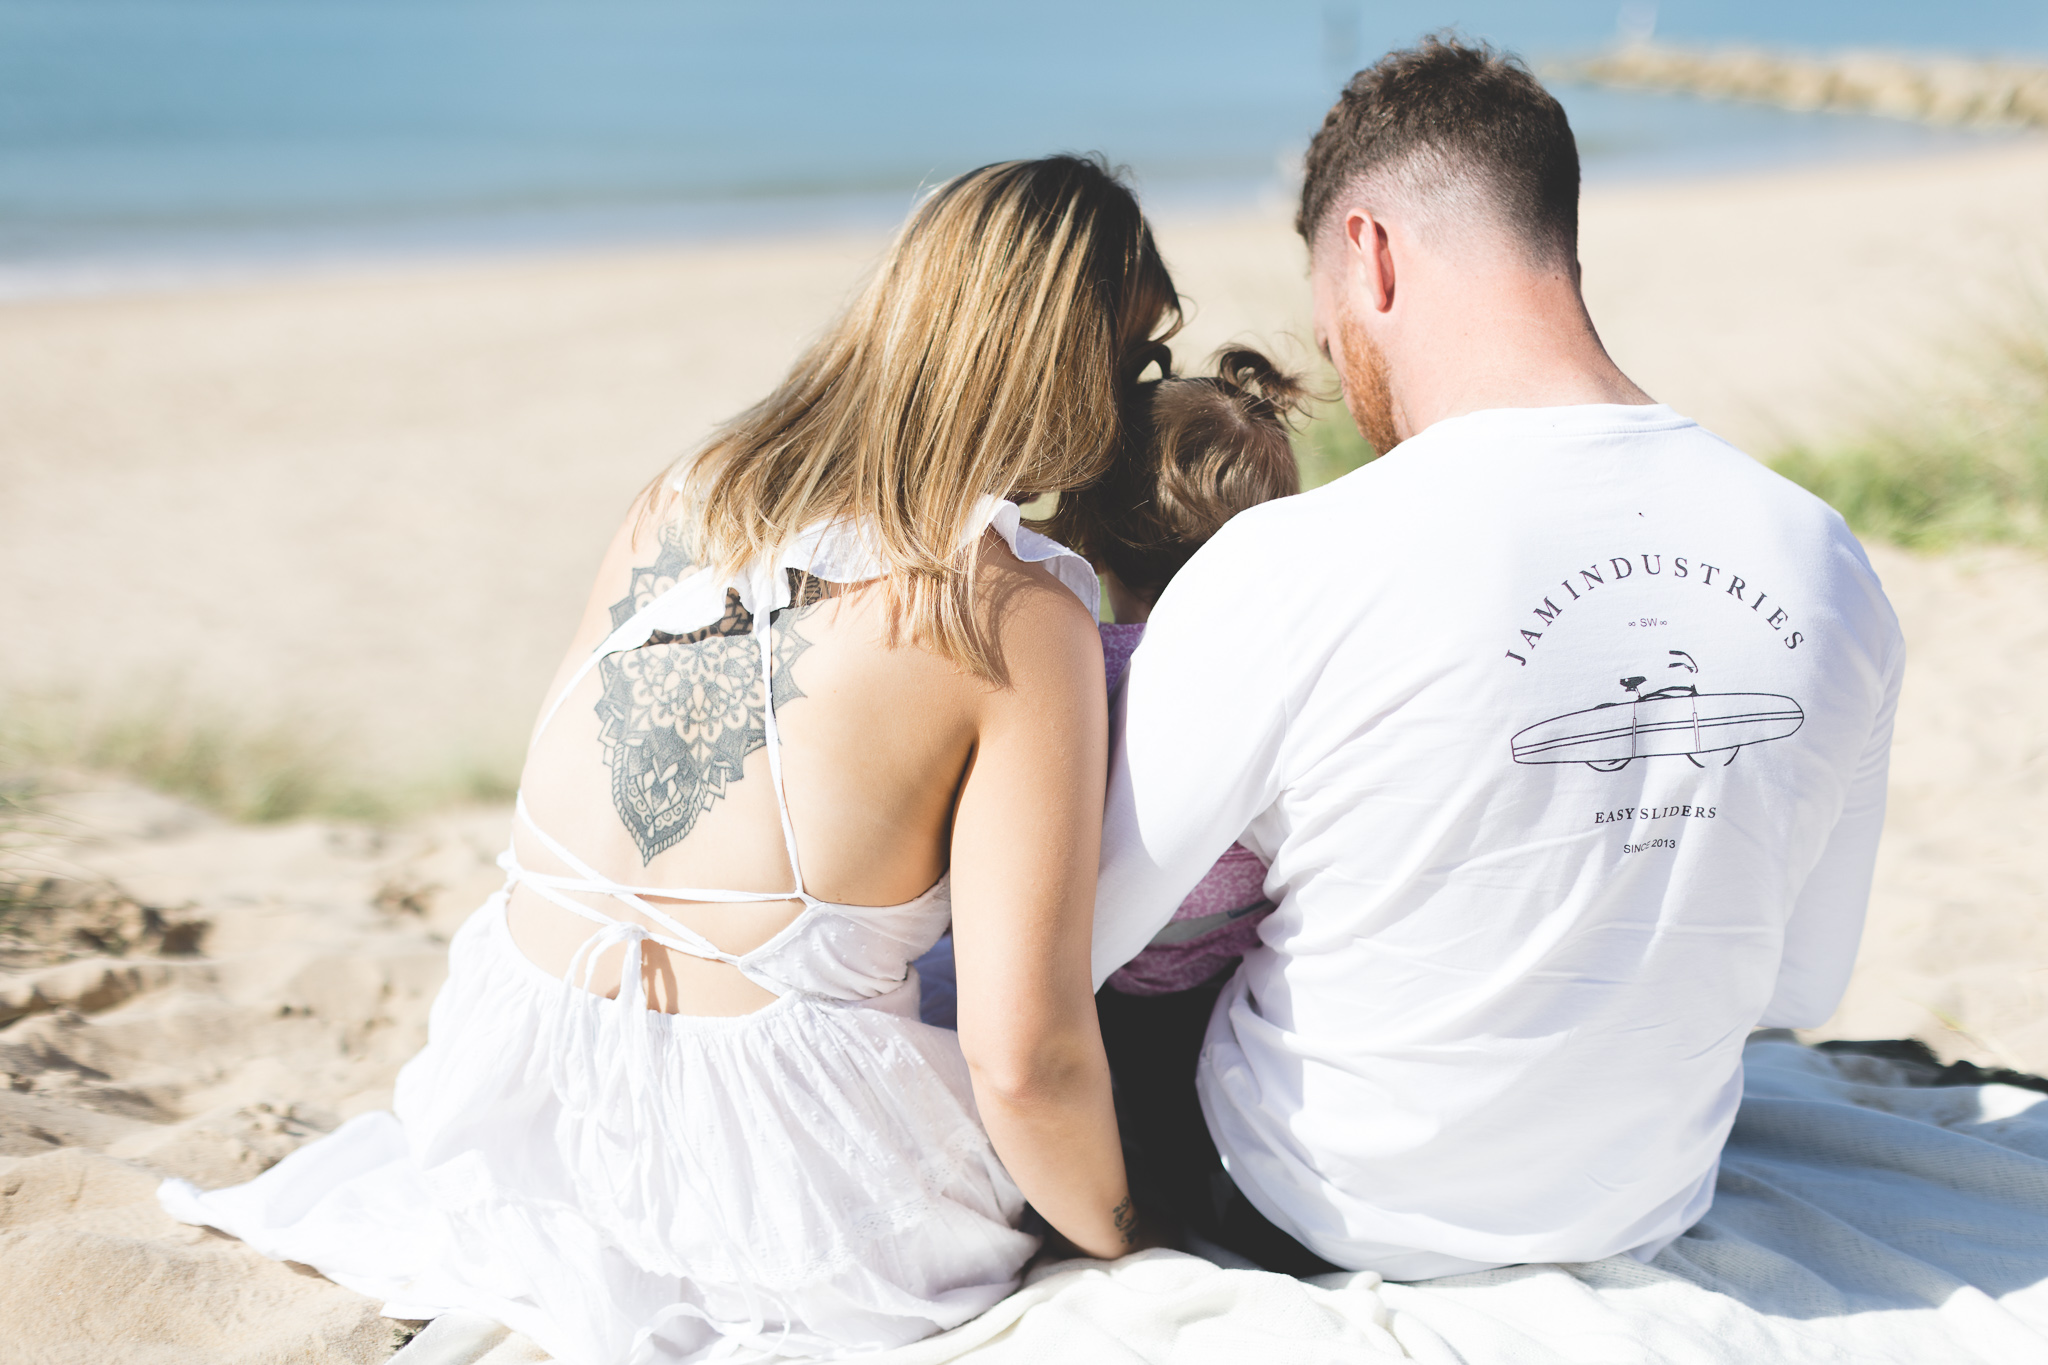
(1368, 393)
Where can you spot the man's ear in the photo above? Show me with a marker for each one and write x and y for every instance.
(1372, 258)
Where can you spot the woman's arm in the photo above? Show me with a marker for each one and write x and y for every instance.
(1026, 835)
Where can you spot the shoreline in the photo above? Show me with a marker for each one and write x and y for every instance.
(225, 257)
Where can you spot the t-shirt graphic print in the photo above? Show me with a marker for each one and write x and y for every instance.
(1662, 659)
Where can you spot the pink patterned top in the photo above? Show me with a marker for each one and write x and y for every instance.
(1219, 920)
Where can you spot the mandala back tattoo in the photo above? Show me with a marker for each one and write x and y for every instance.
(678, 715)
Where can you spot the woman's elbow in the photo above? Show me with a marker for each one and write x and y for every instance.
(1021, 1072)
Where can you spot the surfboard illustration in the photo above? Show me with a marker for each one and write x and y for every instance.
(1670, 722)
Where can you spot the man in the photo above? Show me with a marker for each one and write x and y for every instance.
(1563, 728)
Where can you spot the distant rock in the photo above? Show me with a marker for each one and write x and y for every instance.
(1941, 90)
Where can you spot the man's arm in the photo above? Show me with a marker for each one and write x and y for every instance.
(1195, 741)
(1827, 918)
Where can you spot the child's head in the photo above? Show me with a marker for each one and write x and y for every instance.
(1200, 450)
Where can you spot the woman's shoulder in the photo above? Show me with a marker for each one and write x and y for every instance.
(1034, 611)
(1038, 586)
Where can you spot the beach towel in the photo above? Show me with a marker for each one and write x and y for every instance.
(1867, 1211)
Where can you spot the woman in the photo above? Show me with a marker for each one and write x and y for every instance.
(827, 696)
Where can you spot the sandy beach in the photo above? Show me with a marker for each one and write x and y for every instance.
(362, 507)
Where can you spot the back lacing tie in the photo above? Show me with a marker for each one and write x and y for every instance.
(559, 889)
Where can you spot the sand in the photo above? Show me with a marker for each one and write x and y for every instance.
(366, 505)
(309, 956)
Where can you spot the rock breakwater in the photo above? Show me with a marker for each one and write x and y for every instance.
(1941, 90)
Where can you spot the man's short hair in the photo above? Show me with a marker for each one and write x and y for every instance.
(1457, 132)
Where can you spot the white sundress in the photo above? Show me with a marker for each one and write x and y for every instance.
(624, 1185)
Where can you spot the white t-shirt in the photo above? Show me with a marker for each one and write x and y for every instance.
(1564, 734)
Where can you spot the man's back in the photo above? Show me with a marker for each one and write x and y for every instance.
(1564, 732)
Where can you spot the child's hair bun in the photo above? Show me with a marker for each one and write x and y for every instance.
(1262, 382)
(1199, 450)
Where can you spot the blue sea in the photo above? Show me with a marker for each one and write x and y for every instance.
(141, 136)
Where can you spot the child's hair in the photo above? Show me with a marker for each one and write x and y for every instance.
(1198, 451)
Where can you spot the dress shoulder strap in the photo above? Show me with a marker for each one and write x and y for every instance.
(1076, 574)
(773, 736)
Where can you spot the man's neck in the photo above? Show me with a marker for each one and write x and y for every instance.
(1513, 339)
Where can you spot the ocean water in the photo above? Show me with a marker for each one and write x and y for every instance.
(142, 136)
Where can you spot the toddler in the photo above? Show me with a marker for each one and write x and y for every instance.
(1204, 450)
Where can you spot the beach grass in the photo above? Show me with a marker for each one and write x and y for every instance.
(247, 771)
(27, 896)
(1327, 446)
(1952, 471)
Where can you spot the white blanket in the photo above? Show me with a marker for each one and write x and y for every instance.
(1860, 1218)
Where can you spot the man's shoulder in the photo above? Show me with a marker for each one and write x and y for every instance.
(1274, 541)
(1256, 568)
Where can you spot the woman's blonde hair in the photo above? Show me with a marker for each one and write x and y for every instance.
(994, 353)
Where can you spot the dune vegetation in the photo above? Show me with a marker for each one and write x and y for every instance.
(1952, 471)
(250, 772)
(1327, 446)
(1947, 472)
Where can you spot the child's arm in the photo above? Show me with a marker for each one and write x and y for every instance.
(1195, 741)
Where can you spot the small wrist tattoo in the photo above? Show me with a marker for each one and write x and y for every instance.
(1125, 1215)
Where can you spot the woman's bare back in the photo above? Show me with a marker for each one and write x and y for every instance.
(655, 769)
